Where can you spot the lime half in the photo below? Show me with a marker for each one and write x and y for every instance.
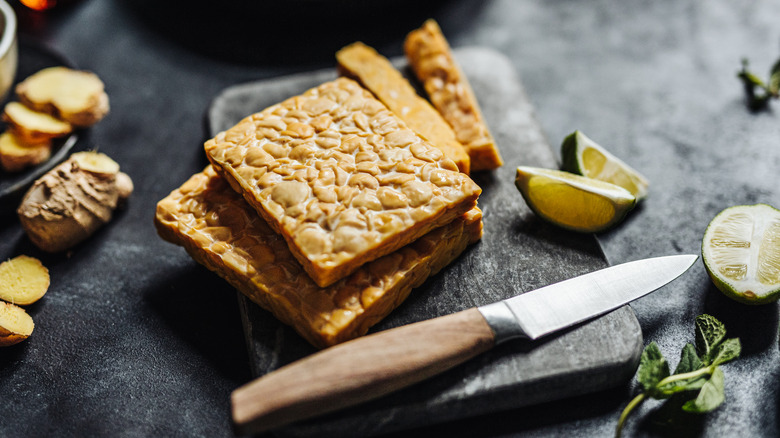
(741, 251)
(585, 157)
(573, 201)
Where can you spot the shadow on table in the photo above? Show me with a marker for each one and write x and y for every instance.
(532, 418)
(755, 326)
(301, 32)
(201, 309)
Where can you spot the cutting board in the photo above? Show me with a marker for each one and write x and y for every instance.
(518, 253)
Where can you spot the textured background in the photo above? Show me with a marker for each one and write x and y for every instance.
(653, 81)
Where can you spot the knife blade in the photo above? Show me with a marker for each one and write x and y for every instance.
(371, 366)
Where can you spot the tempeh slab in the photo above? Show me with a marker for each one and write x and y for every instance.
(377, 74)
(340, 177)
(222, 232)
(431, 58)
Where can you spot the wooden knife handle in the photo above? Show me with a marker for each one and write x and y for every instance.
(359, 370)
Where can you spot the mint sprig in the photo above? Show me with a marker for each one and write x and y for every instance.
(697, 377)
(759, 92)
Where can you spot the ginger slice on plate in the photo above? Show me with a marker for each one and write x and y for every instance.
(75, 96)
(16, 155)
(23, 280)
(15, 324)
(34, 127)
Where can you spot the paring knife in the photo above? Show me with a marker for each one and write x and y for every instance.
(374, 365)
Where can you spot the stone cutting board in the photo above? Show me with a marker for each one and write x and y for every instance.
(518, 253)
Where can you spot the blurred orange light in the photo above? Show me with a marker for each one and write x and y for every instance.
(39, 5)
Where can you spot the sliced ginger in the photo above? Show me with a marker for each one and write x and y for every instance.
(15, 155)
(96, 163)
(23, 280)
(75, 96)
(34, 127)
(15, 324)
(52, 102)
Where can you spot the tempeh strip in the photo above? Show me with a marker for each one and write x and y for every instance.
(431, 58)
(377, 74)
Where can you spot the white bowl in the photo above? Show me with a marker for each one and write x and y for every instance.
(9, 50)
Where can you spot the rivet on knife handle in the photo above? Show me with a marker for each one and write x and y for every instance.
(360, 370)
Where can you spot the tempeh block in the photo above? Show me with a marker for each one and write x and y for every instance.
(340, 177)
(222, 232)
(431, 58)
(377, 74)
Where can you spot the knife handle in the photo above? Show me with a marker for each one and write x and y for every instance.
(359, 370)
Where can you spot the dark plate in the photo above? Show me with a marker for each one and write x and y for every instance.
(32, 58)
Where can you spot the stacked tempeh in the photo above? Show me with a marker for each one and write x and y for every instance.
(325, 209)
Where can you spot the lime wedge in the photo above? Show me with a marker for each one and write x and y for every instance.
(585, 157)
(741, 251)
(573, 201)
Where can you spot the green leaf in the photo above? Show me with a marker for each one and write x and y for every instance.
(775, 68)
(697, 373)
(652, 368)
(774, 83)
(751, 79)
(728, 350)
(689, 360)
(710, 396)
(669, 389)
(709, 333)
(759, 101)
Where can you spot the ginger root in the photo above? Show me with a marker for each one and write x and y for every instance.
(70, 202)
(15, 324)
(75, 96)
(16, 155)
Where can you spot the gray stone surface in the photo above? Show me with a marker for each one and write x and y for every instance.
(135, 339)
(517, 253)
